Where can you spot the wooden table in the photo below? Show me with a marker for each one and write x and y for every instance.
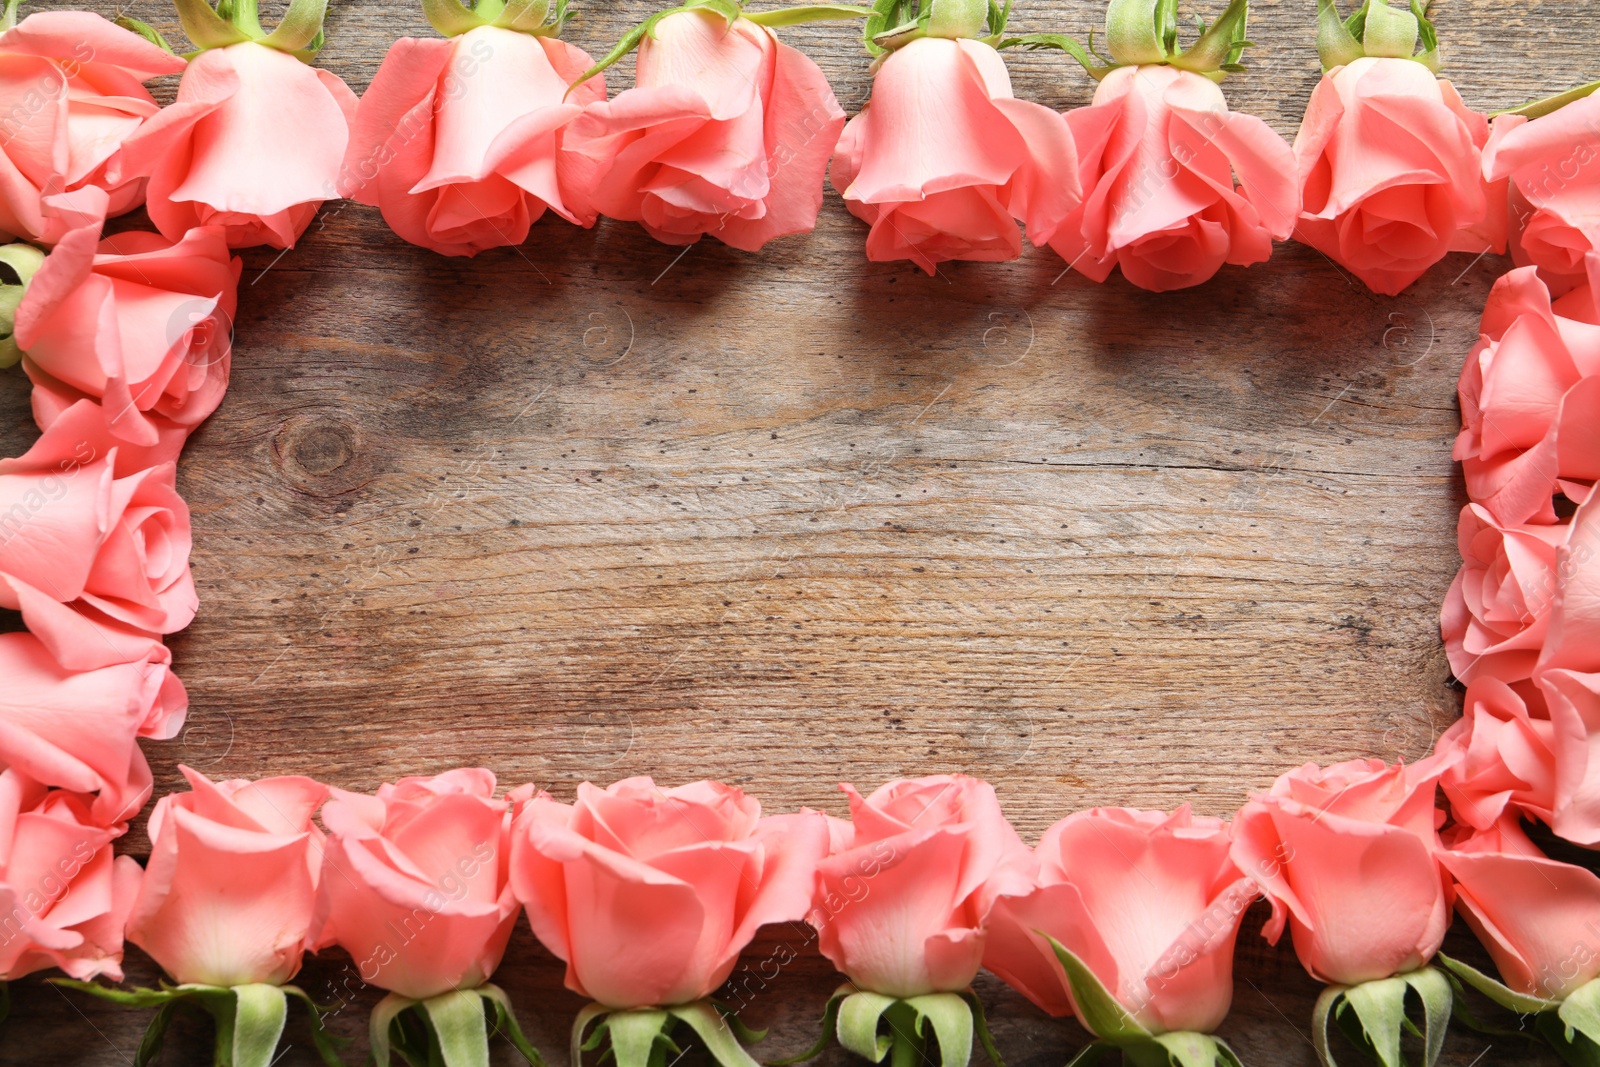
(598, 507)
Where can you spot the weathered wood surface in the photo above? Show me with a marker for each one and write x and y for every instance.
(592, 508)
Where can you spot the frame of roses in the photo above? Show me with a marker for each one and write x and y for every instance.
(1126, 919)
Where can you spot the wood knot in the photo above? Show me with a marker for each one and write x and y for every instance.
(320, 454)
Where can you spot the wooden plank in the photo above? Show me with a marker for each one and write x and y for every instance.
(592, 508)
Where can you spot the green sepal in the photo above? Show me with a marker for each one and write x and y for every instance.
(1501, 994)
(452, 18)
(727, 9)
(24, 261)
(299, 32)
(896, 23)
(1378, 30)
(145, 30)
(859, 1016)
(794, 16)
(1142, 32)
(1336, 45)
(715, 1032)
(830, 1021)
(1540, 108)
(449, 1030)
(1098, 1010)
(1580, 1011)
(642, 1037)
(1373, 1015)
(8, 17)
(207, 29)
(1220, 45)
(1571, 1044)
(1061, 43)
(249, 1019)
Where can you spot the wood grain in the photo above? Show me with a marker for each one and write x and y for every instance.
(597, 507)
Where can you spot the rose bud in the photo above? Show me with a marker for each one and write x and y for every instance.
(462, 143)
(72, 90)
(1149, 903)
(1525, 391)
(254, 142)
(1553, 166)
(136, 322)
(902, 908)
(416, 887)
(79, 730)
(650, 894)
(943, 159)
(727, 131)
(1389, 157)
(63, 896)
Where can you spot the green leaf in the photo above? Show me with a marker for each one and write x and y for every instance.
(1320, 1017)
(981, 1024)
(1502, 995)
(1098, 1009)
(707, 1022)
(830, 1020)
(858, 1024)
(1581, 1011)
(505, 1020)
(385, 1014)
(635, 1033)
(1336, 45)
(459, 1027)
(1431, 985)
(1541, 108)
(951, 1017)
(794, 16)
(1380, 1005)
(259, 1012)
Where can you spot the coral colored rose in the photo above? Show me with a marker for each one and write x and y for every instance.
(63, 898)
(1345, 855)
(943, 159)
(137, 322)
(1507, 759)
(79, 730)
(1539, 918)
(74, 534)
(1498, 608)
(650, 894)
(1390, 164)
(253, 145)
(230, 889)
(71, 92)
(74, 428)
(727, 131)
(1553, 166)
(462, 142)
(1158, 150)
(1528, 393)
(903, 899)
(415, 883)
(1149, 901)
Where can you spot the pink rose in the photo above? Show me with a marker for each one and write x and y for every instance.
(462, 142)
(78, 430)
(1498, 608)
(71, 92)
(649, 895)
(253, 145)
(229, 891)
(1507, 760)
(75, 539)
(1158, 150)
(1553, 165)
(415, 883)
(139, 323)
(1569, 676)
(1345, 855)
(943, 159)
(1150, 902)
(727, 131)
(1539, 919)
(903, 900)
(78, 729)
(1389, 162)
(1528, 391)
(63, 898)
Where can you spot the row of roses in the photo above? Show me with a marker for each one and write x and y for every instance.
(1126, 919)
(464, 142)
